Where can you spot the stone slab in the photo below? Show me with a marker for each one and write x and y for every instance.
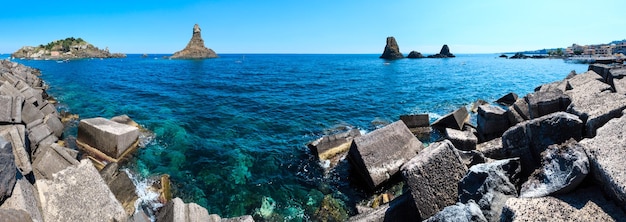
(31, 113)
(606, 156)
(492, 121)
(54, 124)
(462, 140)
(75, 193)
(329, 146)
(110, 137)
(586, 204)
(11, 109)
(378, 155)
(543, 103)
(433, 176)
(38, 133)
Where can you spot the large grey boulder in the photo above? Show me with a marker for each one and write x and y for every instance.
(433, 176)
(378, 155)
(490, 185)
(16, 134)
(7, 169)
(563, 168)
(462, 140)
(419, 124)
(124, 190)
(24, 198)
(596, 109)
(585, 84)
(392, 51)
(607, 154)
(54, 124)
(110, 137)
(177, 210)
(491, 148)
(543, 103)
(581, 205)
(11, 109)
(528, 139)
(492, 121)
(508, 99)
(468, 212)
(453, 120)
(13, 215)
(40, 135)
(30, 114)
(75, 193)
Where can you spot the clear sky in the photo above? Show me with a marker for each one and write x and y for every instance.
(314, 26)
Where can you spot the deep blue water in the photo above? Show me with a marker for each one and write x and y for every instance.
(232, 131)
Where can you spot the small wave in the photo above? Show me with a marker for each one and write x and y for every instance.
(148, 197)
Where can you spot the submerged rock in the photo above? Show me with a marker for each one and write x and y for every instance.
(195, 48)
(392, 51)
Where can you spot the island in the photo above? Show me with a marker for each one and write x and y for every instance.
(69, 48)
(195, 49)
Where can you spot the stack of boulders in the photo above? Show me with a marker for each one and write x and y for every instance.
(528, 159)
(42, 179)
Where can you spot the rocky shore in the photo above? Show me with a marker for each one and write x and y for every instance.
(69, 48)
(554, 154)
(48, 176)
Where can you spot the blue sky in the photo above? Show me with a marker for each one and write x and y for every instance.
(320, 26)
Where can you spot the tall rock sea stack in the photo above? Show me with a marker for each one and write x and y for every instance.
(195, 48)
(392, 51)
(444, 53)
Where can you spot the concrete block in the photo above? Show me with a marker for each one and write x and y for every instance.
(462, 140)
(48, 109)
(76, 193)
(597, 109)
(109, 137)
(454, 120)
(51, 159)
(433, 176)
(492, 121)
(11, 109)
(543, 103)
(329, 146)
(54, 124)
(31, 113)
(378, 155)
(177, 210)
(13, 215)
(413, 121)
(38, 134)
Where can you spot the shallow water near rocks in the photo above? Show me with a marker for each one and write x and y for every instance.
(232, 131)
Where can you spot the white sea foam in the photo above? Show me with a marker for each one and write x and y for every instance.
(148, 197)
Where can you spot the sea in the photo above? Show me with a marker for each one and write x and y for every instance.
(232, 131)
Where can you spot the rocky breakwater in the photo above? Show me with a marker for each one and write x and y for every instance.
(69, 48)
(43, 178)
(195, 49)
(553, 154)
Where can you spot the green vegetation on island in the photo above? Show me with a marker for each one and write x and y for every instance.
(68, 48)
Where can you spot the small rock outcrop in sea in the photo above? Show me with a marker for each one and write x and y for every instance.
(195, 48)
(69, 48)
(415, 55)
(392, 51)
(444, 53)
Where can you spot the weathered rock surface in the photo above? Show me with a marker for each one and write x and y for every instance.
(75, 193)
(378, 155)
(581, 205)
(419, 124)
(596, 109)
(585, 84)
(7, 169)
(415, 55)
(462, 140)
(507, 99)
(11, 108)
(24, 198)
(177, 210)
(490, 185)
(124, 190)
(612, 74)
(492, 121)
(491, 148)
(13, 215)
(563, 168)
(607, 154)
(444, 53)
(453, 120)
(528, 139)
(16, 134)
(392, 51)
(195, 49)
(432, 177)
(111, 138)
(469, 212)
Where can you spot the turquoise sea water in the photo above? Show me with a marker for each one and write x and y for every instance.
(232, 131)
